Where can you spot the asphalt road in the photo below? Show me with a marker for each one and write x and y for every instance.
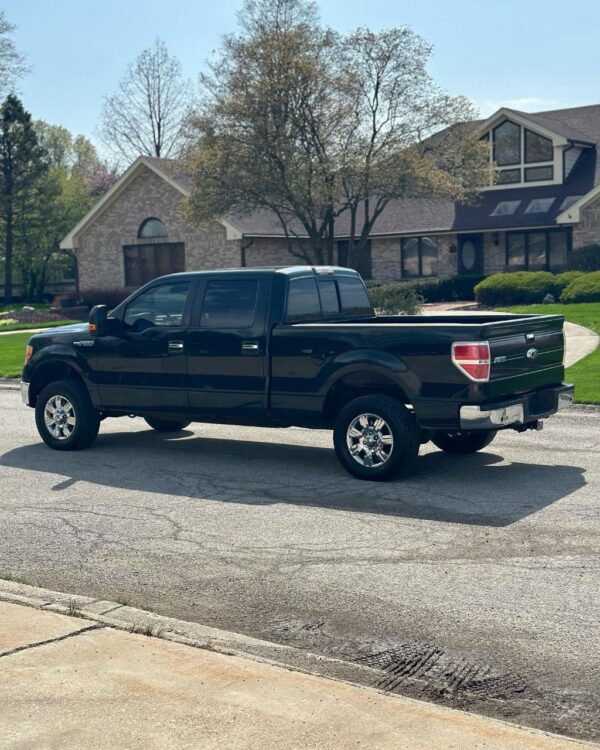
(476, 583)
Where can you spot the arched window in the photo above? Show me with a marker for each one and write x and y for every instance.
(151, 228)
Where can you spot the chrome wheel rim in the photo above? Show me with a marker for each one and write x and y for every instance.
(370, 440)
(59, 417)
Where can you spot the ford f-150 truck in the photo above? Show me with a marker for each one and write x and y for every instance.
(297, 346)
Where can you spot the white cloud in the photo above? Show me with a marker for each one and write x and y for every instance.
(525, 104)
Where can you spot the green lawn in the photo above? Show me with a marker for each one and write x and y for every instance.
(27, 326)
(586, 373)
(12, 354)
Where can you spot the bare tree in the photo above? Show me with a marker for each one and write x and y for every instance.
(266, 124)
(12, 62)
(310, 124)
(147, 113)
(386, 149)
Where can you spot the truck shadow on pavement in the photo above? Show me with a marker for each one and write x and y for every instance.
(480, 489)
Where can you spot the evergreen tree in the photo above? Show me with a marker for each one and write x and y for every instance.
(23, 165)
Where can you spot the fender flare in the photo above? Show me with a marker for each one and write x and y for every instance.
(369, 360)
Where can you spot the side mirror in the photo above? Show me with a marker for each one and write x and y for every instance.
(98, 322)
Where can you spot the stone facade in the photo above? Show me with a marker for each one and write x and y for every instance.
(100, 246)
(587, 232)
(100, 253)
(494, 257)
(269, 251)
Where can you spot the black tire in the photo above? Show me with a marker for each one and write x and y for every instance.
(463, 442)
(70, 398)
(399, 422)
(166, 425)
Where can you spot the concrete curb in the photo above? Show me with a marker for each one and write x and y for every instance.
(10, 384)
(122, 617)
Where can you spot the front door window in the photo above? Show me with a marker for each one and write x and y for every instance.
(470, 255)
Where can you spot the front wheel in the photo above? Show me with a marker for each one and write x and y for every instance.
(463, 441)
(376, 437)
(65, 416)
(166, 425)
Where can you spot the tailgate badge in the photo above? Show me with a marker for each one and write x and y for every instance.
(532, 353)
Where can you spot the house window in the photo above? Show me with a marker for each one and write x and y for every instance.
(537, 250)
(151, 228)
(508, 176)
(568, 202)
(539, 205)
(537, 148)
(506, 208)
(514, 152)
(537, 174)
(419, 256)
(507, 144)
(145, 262)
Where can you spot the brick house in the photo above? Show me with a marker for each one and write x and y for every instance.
(546, 201)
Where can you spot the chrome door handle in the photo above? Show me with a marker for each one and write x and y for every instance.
(250, 346)
(175, 346)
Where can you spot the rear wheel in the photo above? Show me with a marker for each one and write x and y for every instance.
(65, 416)
(463, 441)
(166, 425)
(376, 437)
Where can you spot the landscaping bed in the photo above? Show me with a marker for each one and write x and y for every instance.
(18, 317)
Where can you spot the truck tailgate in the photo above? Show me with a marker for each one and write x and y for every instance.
(526, 353)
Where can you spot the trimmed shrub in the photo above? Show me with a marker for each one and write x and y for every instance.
(109, 297)
(393, 298)
(518, 288)
(586, 288)
(562, 281)
(436, 289)
(585, 258)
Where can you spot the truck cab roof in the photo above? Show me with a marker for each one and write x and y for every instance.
(290, 271)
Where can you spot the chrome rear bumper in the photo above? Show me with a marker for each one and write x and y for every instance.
(25, 392)
(527, 410)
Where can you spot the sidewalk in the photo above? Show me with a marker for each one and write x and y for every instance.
(73, 682)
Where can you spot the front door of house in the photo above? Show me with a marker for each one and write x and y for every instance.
(470, 254)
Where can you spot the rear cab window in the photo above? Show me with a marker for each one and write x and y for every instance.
(353, 296)
(303, 303)
(311, 299)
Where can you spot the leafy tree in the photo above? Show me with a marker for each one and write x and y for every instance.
(12, 62)
(147, 113)
(74, 179)
(23, 165)
(310, 124)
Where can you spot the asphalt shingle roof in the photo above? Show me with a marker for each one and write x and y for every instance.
(413, 215)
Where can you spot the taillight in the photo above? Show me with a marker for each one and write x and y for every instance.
(28, 353)
(473, 359)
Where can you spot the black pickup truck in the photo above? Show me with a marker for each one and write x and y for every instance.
(297, 346)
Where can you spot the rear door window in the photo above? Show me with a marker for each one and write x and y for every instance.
(303, 301)
(229, 303)
(353, 297)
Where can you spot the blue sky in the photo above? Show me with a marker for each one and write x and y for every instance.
(526, 54)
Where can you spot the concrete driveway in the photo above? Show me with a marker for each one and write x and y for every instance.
(474, 584)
